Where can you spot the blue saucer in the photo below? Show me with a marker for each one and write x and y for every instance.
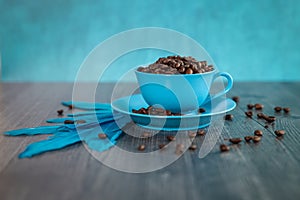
(190, 121)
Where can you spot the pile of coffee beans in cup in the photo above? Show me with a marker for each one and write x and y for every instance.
(177, 65)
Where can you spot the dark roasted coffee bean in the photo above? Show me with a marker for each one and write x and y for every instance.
(260, 115)
(249, 114)
(228, 117)
(235, 140)
(224, 147)
(135, 111)
(171, 137)
(277, 109)
(60, 112)
(102, 136)
(258, 132)
(279, 132)
(286, 110)
(256, 139)
(189, 71)
(248, 138)
(201, 132)
(193, 147)
(250, 106)
(201, 110)
(71, 107)
(162, 146)
(258, 106)
(236, 99)
(266, 126)
(69, 122)
(181, 69)
(141, 147)
(192, 134)
(270, 118)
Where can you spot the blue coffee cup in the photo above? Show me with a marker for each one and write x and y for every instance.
(180, 93)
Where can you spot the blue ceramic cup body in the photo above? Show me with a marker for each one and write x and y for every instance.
(180, 92)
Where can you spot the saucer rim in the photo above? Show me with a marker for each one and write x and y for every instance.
(171, 117)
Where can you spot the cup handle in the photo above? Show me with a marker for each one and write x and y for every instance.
(227, 88)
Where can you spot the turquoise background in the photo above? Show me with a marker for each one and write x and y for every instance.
(254, 40)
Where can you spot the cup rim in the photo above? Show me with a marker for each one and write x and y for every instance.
(168, 75)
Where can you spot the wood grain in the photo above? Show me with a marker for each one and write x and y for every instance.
(266, 170)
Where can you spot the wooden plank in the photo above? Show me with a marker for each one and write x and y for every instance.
(267, 170)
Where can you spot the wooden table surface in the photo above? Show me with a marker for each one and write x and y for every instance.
(266, 170)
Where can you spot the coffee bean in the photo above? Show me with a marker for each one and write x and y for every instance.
(179, 149)
(250, 106)
(277, 109)
(258, 106)
(260, 115)
(235, 140)
(258, 132)
(201, 132)
(286, 110)
(249, 114)
(189, 71)
(81, 121)
(192, 134)
(270, 118)
(171, 137)
(228, 117)
(266, 126)
(201, 110)
(224, 147)
(69, 122)
(236, 99)
(71, 107)
(256, 139)
(193, 147)
(102, 136)
(248, 138)
(146, 135)
(279, 132)
(141, 147)
(60, 112)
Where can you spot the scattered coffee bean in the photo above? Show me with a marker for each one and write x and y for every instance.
(279, 132)
(260, 115)
(171, 137)
(102, 136)
(236, 99)
(258, 132)
(256, 139)
(162, 146)
(286, 110)
(146, 135)
(179, 149)
(201, 132)
(277, 109)
(235, 140)
(60, 112)
(69, 122)
(193, 147)
(71, 107)
(155, 111)
(192, 134)
(81, 121)
(249, 114)
(224, 147)
(266, 126)
(248, 138)
(258, 106)
(228, 117)
(250, 106)
(270, 118)
(201, 110)
(141, 147)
